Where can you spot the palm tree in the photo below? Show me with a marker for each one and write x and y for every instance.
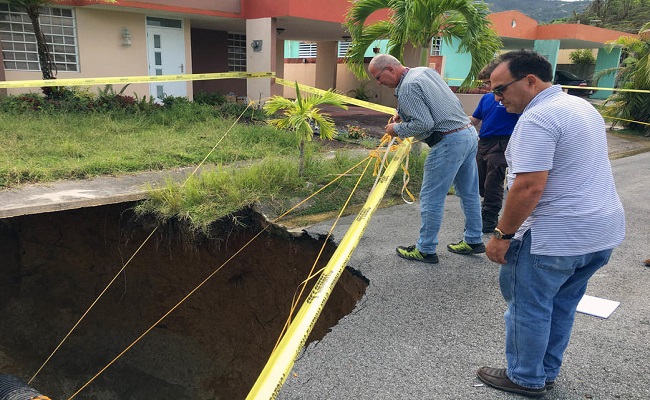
(633, 74)
(417, 22)
(33, 10)
(303, 117)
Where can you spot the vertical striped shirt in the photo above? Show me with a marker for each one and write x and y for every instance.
(579, 211)
(427, 104)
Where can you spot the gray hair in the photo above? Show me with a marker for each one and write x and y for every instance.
(381, 61)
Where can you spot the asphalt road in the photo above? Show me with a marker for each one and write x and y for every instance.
(421, 331)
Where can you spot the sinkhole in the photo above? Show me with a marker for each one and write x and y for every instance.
(212, 346)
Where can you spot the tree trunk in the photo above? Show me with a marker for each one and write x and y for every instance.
(301, 168)
(48, 68)
(424, 57)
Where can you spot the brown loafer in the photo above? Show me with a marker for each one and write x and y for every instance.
(498, 379)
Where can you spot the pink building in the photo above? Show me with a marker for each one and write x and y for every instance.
(161, 37)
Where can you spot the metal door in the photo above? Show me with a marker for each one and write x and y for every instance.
(166, 56)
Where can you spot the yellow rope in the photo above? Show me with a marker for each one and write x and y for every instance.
(132, 256)
(388, 140)
(93, 304)
(206, 280)
(311, 275)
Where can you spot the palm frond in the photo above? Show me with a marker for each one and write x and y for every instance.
(417, 22)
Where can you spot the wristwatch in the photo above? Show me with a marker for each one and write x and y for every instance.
(500, 235)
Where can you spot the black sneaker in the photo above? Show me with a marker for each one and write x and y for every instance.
(463, 247)
(412, 253)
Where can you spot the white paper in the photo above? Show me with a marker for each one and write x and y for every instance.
(596, 306)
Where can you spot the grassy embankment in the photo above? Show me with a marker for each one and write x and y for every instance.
(251, 163)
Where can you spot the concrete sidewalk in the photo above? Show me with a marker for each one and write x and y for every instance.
(421, 331)
(71, 194)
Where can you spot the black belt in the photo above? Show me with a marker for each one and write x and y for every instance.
(436, 136)
(457, 129)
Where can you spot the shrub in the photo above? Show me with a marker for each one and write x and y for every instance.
(356, 132)
(582, 56)
(361, 92)
(234, 110)
(79, 100)
(212, 99)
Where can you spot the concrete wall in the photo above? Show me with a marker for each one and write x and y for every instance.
(263, 29)
(469, 102)
(457, 64)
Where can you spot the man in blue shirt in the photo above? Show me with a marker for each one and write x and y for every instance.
(496, 125)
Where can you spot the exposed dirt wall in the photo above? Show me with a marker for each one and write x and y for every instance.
(213, 346)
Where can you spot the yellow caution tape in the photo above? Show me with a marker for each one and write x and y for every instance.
(132, 79)
(349, 100)
(224, 75)
(581, 87)
(627, 120)
(279, 365)
(606, 88)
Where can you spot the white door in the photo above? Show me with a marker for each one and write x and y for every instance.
(166, 56)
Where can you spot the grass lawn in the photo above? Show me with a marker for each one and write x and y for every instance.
(253, 162)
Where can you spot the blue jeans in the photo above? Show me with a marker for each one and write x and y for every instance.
(542, 293)
(451, 161)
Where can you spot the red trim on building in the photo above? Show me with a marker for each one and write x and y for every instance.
(514, 24)
(161, 7)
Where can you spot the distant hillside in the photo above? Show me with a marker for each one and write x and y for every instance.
(540, 10)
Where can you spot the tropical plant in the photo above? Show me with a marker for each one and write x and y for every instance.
(582, 56)
(634, 73)
(356, 132)
(417, 22)
(303, 117)
(33, 10)
(361, 92)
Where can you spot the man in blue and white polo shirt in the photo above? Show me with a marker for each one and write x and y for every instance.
(561, 220)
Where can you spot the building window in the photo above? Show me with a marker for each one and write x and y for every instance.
(436, 45)
(343, 48)
(236, 52)
(307, 50)
(164, 22)
(19, 42)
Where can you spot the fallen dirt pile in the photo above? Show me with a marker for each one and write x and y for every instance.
(213, 346)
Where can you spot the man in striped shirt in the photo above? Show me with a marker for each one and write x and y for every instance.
(561, 220)
(429, 111)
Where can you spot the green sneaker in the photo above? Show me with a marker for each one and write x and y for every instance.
(411, 253)
(463, 247)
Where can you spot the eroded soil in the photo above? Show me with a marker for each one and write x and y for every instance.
(213, 346)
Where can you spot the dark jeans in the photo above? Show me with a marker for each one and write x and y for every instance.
(491, 172)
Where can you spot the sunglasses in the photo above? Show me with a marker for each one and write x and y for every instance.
(498, 91)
